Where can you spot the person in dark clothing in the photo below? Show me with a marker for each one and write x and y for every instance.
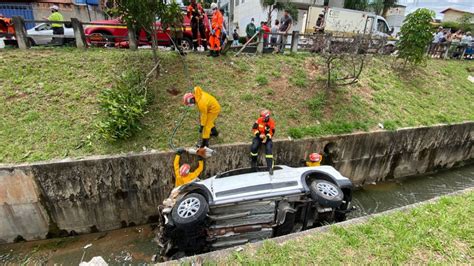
(286, 23)
(196, 14)
(320, 24)
(263, 130)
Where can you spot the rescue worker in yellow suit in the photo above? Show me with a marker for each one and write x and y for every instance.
(209, 109)
(216, 29)
(183, 174)
(314, 160)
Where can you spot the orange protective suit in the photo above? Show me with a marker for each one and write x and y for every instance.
(216, 26)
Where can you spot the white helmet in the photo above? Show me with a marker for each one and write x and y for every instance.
(54, 7)
(213, 6)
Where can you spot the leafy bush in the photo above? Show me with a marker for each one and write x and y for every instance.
(122, 107)
(416, 34)
(451, 25)
(261, 80)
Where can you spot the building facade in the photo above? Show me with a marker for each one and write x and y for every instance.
(84, 10)
(240, 12)
(454, 15)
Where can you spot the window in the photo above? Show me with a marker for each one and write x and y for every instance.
(382, 26)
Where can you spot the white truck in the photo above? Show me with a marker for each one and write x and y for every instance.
(348, 21)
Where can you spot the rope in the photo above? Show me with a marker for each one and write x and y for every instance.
(183, 114)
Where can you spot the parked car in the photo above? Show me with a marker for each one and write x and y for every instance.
(243, 205)
(112, 35)
(42, 34)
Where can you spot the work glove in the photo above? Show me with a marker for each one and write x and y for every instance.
(269, 136)
(201, 128)
(180, 151)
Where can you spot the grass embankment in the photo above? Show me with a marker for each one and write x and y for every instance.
(48, 99)
(440, 233)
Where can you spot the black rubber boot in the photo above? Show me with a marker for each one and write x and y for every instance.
(270, 165)
(214, 132)
(253, 163)
(204, 143)
(211, 53)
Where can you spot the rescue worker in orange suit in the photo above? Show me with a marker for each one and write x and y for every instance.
(216, 30)
(314, 160)
(183, 174)
(263, 130)
(209, 109)
(196, 14)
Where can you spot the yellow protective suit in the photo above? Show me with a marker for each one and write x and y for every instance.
(311, 164)
(209, 109)
(182, 180)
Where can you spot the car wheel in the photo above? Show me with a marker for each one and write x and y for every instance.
(32, 42)
(186, 44)
(190, 210)
(326, 193)
(101, 39)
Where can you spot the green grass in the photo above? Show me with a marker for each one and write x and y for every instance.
(48, 99)
(437, 233)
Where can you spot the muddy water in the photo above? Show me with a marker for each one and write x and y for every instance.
(135, 245)
(380, 197)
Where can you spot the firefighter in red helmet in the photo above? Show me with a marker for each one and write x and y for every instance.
(263, 130)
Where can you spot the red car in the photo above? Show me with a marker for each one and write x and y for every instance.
(111, 35)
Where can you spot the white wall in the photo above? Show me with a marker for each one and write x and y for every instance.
(244, 12)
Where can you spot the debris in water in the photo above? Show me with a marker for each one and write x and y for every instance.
(95, 261)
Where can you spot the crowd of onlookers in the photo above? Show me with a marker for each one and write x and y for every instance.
(275, 36)
(453, 44)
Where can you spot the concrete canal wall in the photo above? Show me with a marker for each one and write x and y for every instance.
(58, 198)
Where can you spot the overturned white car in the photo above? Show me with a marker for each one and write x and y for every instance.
(245, 205)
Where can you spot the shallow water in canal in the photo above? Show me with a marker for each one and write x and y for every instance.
(135, 244)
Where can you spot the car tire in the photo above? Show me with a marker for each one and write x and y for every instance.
(187, 44)
(106, 42)
(32, 42)
(189, 211)
(327, 194)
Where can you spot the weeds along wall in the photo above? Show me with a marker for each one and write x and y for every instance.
(68, 197)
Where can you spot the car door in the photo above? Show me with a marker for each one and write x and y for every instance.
(41, 34)
(241, 187)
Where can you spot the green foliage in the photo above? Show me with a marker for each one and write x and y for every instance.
(316, 104)
(416, 34)
(356, 4)
(261, 80)
(123, 106)
(276, 5)
(299, 78)
(329, 128)
(453, 25)
(465, 23)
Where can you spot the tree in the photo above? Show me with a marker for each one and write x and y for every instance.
(465, 22)
(142, 15)
(356, 4)
(416, 33)
(387, 4)
(273, 5)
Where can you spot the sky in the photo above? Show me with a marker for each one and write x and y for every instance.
(438, 6)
